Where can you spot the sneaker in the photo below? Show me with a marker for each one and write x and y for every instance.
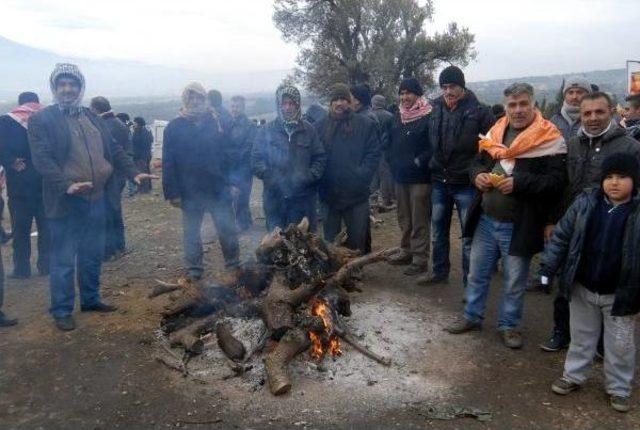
(557, 342)
(511, 339)
(65, 323)
(414, 269)
(98, 307)
(563, 386)
(6, 322)
(462, 325)
(400, 259)
(432, 278)
(619, 403)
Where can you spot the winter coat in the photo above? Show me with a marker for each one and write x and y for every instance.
(120, 134)
(537, 187)
(454, 136)
(633, 128)
(14, 144)
(142, 140)
(568, 130)
(240, 137)
(567, 244)
(195, 160)
(50, 141)
(289, 166)
(352, 160)
(385, 119)
(410, 142)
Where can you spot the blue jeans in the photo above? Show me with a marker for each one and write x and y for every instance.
(77, 237)
(491, 241)
(443, 198)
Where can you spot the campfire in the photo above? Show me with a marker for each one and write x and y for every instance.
(298, 288)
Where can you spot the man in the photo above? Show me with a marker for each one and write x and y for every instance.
(409, 154)
(195, 178)
(599, 136)
(142, 141)
(383, 181)
(520, 175)
(76, 156)
(218, 110)
(289, 159)
(24, 188)
(241, 135)
(352, 144)
(632, 116)
(132, 188)
(115, 240)
(457, 119)
(568, 119)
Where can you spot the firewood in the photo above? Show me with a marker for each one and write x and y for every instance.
(231, 346)
(291, 344)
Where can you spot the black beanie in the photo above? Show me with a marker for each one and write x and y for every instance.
(339, 91)
(362, 94)
(621, 164)
(412, 85)
(452, 75)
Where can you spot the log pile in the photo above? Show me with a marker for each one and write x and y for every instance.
(294, 272)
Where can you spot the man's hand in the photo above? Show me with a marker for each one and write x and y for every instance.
(483, 182)
(548, 232)
(79, 188)
(19, 164)
(235, 191)
(143, 176)
(506, 186)
(176, 203)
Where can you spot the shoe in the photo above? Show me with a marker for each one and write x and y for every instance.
(563, 386)
(511, 339)
(66, 323)
(5, 237)
(6, 322)
(462, 325)
(400, 259)
(557, 342)
(414, 269)
(99, 307)
(619, 403)
(432, 278)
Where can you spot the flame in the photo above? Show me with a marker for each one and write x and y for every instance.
(321, 343)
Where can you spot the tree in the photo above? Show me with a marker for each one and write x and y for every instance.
(367, 41)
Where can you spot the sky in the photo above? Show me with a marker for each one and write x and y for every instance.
(513, 38)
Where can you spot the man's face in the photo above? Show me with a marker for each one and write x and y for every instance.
(136, 126)
(407, 99)
(520, 110)
(289, 108)
(195, 100)
(237, 108)
(630, 113)
(452, 93)
(340, 106)
(67, 90)
(595, 115)
(618, 187)
(573, 96)
(355, 104)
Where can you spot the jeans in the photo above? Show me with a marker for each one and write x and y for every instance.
(588, 311)
(78, 238)
(414, 211)
(280, 211)
(23, 212)
(491, 241)
(222, 214)
(443, 198)
(358, 224)
(115, 239)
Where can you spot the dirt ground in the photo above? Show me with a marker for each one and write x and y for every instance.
(104, 375)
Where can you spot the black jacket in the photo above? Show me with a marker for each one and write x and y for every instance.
(240, 136)
(454, 136)
(289, 166)
(385, 119)
(195, 161)
(352, 160)
(142, 141)
(50, 140)
(537, 187)
(410, 142)
(14, 144)
(120, 134)
(567, 244)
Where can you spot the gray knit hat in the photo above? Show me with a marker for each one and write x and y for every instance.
(379, 101)
(576, 82)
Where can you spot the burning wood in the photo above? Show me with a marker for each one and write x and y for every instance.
(297, 289)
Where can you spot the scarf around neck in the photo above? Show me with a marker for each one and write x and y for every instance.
(22, 113)
(420, 109)
(291, 92)
(570, 113)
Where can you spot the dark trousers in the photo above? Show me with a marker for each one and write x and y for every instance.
(243, 212)
(561, 315)
(115, 239)
(24, 210)
(280, 211)
(76, 239)
(143, 167)
(221, 212)
(357, 221)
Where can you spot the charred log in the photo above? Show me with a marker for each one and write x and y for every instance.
(291, 344)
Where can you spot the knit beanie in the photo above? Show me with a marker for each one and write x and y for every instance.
(339, 91)
(412, 85)
(621, 164)
(379, 101)
(362, 94)
(576, 82)
(452, 75)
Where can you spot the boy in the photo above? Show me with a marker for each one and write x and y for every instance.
(596, 240)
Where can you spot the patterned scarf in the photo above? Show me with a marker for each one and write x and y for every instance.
(67, 70)
(22, 113)
(420, 109)
(570, 113)
(291, 123)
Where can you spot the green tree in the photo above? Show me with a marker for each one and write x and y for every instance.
(368, 41)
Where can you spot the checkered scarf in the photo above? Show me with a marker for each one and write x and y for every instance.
(291, 92)
(67, 70)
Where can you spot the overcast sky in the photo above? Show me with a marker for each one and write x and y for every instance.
(513, 38)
